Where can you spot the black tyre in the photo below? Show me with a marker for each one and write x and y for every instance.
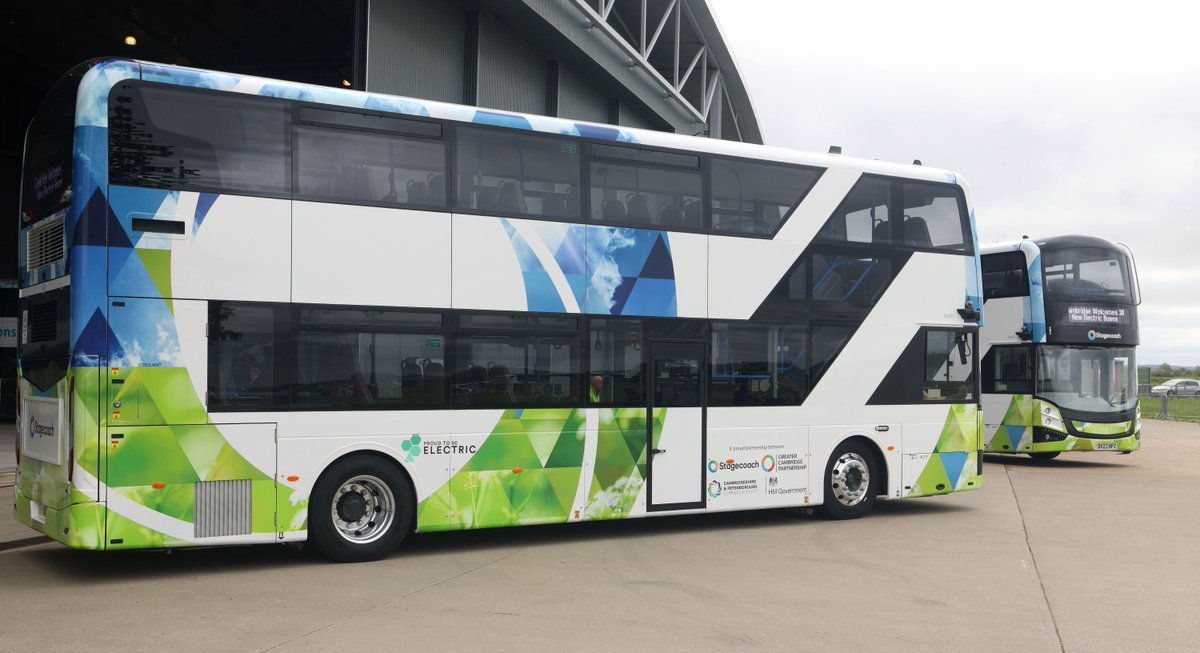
(851, 481)
(360, 509)
(1045, 455)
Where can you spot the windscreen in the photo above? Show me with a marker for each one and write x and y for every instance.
(1087, 273)
(1088, 379)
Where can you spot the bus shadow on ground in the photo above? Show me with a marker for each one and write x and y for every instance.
(102, 567)
(1062, 462)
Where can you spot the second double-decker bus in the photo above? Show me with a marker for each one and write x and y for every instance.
(256, 311)
(1058, 368)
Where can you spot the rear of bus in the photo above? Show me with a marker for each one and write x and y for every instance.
(58, 373)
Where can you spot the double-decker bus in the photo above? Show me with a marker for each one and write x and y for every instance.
(1058, 365)
(256, 311)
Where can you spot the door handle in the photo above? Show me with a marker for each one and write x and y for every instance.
(658, 451)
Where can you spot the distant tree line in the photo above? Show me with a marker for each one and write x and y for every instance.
(1166, 372)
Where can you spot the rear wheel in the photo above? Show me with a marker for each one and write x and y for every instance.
(1045, 455)
(360, 509)
(851, 481)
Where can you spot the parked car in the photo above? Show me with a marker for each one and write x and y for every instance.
(1177, 387)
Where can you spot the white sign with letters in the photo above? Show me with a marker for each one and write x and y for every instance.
(41, 436)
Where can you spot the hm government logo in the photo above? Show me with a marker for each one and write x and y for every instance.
(768, 463)
(1095, 335)
(714, 489)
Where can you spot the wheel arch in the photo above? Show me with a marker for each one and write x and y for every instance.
(880, 460)
(380, 455)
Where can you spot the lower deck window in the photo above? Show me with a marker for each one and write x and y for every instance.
(516, 371)
(949, 362)
(369, 370)
(242, 354)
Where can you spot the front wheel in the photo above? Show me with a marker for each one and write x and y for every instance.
(851, 481)
(1045, 455)
(360, 509)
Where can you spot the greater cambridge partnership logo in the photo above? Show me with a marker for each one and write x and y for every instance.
(768, 463)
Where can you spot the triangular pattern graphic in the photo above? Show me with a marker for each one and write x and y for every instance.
(954, 463)
(658, 263)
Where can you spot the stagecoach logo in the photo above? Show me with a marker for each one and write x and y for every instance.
(730, 465)
(714, 489)
(39, 430)
(1094, 335)
(768, 463)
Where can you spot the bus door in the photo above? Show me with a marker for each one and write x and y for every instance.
(675, 425)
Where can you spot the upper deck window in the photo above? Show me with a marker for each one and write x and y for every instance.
(517, 173)
(1086, 272)
(754, 198)
(646, 188)
(933, 216)
(863, 216)
(182, 139)
(1004, 275)
(46, 179)
(903, 214)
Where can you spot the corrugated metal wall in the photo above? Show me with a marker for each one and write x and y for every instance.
(630, 118)
(577, 99)
(512, 76)
(416, 48)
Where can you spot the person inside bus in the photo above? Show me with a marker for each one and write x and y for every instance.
(596, 390)
(251, 380)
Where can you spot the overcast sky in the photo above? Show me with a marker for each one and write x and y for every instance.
(1064, 118)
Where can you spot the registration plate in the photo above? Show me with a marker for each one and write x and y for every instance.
(1106, 446)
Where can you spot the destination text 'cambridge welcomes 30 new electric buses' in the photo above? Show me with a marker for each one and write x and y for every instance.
(256, 311)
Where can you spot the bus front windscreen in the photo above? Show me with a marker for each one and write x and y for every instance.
(1088, 379)
(1087, 273)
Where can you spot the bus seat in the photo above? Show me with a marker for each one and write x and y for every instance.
(671, 216)
(613, 209)
(410, 377)
(353, 182)
(434, 370)
(882, 232)
(916, 232)
(437, 189)
(693, 214)
(555, 206)
(509, 198)
(486, 198)
(418, 192)
(638, 207)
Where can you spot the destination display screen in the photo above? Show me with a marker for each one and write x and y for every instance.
(1092, 323)
(1093, 314)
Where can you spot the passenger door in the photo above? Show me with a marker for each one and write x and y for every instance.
(675, 425)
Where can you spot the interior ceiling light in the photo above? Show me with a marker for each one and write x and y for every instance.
(131, 40)
(346, 83)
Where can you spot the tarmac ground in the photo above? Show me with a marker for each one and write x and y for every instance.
(1089, 552)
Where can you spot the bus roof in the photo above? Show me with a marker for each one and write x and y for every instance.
(1067, 241)
(195, 77)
